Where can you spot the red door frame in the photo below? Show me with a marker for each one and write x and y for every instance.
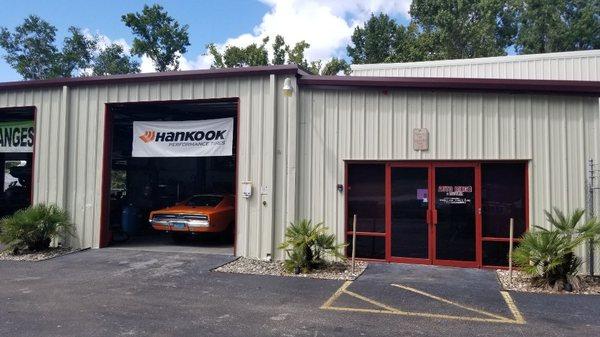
(432, 214)
(107, 157)
(476, 195)
(431, 218)
(388, 212)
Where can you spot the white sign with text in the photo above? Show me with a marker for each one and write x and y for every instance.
(201, 138)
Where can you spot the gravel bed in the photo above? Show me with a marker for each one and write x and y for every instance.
(36, 256)
(333, 271)
(590, 285)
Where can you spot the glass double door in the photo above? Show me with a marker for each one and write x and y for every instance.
(431, 213)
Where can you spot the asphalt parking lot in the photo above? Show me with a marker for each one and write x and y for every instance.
(112, 292)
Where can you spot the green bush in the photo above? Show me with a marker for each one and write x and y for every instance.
(306, 246)
(34, 227)
(548, 255)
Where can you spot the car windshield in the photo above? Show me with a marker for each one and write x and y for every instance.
(204, 200)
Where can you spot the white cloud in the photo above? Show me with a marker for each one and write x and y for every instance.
(326, 25)
(105, 41)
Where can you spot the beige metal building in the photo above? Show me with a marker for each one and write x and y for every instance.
(339, 146)
(575, 66)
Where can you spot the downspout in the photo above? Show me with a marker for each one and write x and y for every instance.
(63, 199)
(292, 109)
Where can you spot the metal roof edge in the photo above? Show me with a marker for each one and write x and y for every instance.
(288, 69)
(479, 60)
(586, 88)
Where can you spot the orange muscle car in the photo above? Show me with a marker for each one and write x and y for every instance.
(198, 214)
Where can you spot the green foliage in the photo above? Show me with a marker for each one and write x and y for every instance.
(32, 52)
(258, 55)
(113, 60)
(233, 57)
(558, 25)
(465, 29)
(307, 245)
(77, 54)
(548, 255)
(441, 29)
(375, 41)
(33, 228)
(158, 36)
(278, 50)
(335, 66)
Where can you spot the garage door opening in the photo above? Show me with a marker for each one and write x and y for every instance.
(170, 176)
(16, 159)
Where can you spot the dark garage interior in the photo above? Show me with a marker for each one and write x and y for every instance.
(16, 177)
(140, 185)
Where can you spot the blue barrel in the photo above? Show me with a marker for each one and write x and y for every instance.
(129, 220)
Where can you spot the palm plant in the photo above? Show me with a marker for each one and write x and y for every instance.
(33, 228)
(548, 255)
(306, 246)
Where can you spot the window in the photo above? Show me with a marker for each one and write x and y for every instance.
(16, 181)
(368, 247)
(204, 200)
(366, 199)
(503, 187)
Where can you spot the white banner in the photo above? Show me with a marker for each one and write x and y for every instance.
(205, 138)
(16, 137)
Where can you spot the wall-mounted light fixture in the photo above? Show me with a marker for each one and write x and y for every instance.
(288, 90)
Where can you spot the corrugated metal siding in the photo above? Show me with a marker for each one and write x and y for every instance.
(557, 135)
(78, 157)
(49, 160)
(579, 65)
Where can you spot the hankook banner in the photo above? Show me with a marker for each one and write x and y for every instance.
(205, 138)
(16, 137)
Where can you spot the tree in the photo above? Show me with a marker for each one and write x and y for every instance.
(465, 29)
(412, 45)
(113, 60)
(296, 56)
(158, 36)
(279, 47)
(32, 52)
(375, 42)
(30, 49)
(234, 57)
(77, 54)
(335, 66)
(258, 55)
(558, 25)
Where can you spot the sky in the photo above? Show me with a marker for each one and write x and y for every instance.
(326, 24)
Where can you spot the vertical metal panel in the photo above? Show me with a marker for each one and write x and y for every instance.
(577, 65)
(556, 134)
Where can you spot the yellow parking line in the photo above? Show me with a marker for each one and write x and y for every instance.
(335, 295)
(443, 300)
(386, 309)
(513, 307)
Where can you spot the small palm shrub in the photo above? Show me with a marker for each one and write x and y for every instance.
(307, 245)
(33, 228)
(548, 255)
